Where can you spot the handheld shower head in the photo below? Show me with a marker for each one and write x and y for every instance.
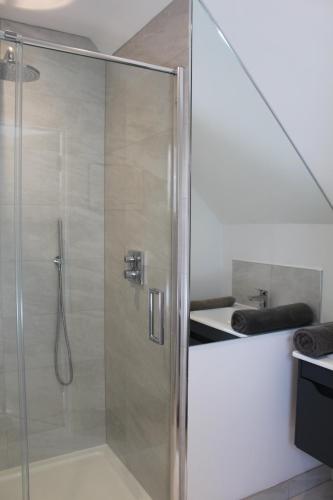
(8, 68)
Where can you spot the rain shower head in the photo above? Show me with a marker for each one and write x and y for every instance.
(8, 68)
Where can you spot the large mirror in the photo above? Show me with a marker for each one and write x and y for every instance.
(261, 241)
(254, 199)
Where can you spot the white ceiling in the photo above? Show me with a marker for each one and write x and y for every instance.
(108, 23)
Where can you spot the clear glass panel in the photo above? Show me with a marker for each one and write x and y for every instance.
(139, 123)
(89, 128)
(12, 439)
(62, 191)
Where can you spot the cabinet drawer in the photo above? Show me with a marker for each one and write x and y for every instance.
(316, 374)
(204, 334)
(314, 420)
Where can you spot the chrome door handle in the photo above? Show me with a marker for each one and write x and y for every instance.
(156, 315)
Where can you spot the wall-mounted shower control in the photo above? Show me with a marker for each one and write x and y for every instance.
(135, 262)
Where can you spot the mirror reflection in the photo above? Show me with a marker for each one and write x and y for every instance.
(261, 283)
(260, 219)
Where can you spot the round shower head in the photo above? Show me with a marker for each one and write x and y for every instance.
(8, 69)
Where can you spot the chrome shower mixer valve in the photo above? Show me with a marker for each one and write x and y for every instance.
(134, 272)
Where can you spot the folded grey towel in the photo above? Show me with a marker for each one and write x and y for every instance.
(251, 321)
(198, 305)
(315, 340)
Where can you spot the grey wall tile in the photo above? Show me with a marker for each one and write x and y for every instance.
(138, 216)
(3, 440)
(247, 277)
(85, 240)
(39, 332)
(63, 176)
(137, 403)
(163, 39)
(86, 292)
(285, 284)
(292, 284)
(87, 336)
(39, 288)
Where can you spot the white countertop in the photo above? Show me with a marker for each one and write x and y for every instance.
(218, 318)
(323, 361)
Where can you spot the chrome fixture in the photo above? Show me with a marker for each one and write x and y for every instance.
(134, 272)
(261, 298)
(61, 314)
(156, 316)
(8, 68)
(11, 36)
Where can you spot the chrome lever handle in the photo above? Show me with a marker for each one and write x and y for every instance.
(132, 275)
(130, 259)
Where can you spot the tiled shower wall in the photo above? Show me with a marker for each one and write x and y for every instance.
(139, 143)
(138, 170)
(164, 40)
(63, 176)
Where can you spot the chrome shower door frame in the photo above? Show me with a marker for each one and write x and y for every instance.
(180, 258)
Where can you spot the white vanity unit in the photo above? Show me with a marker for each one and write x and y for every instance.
(242, 397)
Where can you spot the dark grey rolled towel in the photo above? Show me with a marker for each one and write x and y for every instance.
(315, 341)
(251, 321)
(198, 305)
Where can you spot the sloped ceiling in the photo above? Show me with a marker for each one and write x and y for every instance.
(244, 166)
(108, 23)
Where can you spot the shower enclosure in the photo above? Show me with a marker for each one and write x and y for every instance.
(91, 393)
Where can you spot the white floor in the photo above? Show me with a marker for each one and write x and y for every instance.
(90, 474)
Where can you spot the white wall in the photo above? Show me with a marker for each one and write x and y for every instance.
(288, 49)
(206, 251)
(244, 166)
(242, 418)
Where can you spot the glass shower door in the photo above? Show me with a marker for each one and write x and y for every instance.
(13, 436)
(138, 210)
(97, 193)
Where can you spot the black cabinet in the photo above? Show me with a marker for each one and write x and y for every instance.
(314, 412)
(204, 334)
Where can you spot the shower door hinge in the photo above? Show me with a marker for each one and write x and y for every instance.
(11, 36)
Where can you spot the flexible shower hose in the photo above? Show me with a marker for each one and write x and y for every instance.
(61, 318)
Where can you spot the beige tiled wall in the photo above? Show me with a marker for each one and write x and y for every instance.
(63, 176)
(164, 40)
(138, 180)
(138, 216)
